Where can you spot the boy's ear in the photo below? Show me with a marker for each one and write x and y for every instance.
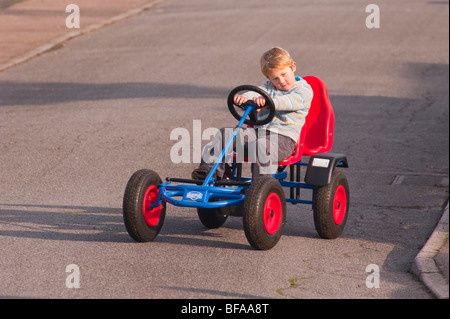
(294, 67)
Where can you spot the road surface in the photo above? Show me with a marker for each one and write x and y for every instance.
(76, 122)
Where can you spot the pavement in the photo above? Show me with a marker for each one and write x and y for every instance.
(29, 28)
(431, 264)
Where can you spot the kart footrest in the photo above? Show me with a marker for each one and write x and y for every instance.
(226, 182)
(185, 180)
(223, 182)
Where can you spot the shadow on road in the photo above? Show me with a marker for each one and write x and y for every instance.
(44, 93)
(99, 224)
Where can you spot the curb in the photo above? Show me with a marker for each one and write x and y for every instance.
(73, 34)
(424, 266)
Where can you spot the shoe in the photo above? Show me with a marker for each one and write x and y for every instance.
(201, 172)
(228, 172)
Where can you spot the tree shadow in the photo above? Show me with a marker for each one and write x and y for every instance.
(44, 93)
(53, 222)
(100, 224)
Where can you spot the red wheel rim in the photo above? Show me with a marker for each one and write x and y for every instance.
(272, 213)
(151, 216)
(339, 204)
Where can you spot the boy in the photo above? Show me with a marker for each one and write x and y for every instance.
(276, 140)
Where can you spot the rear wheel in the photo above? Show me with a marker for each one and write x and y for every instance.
(212, 217)
(264, 213)
(142, 221)
(331, 203)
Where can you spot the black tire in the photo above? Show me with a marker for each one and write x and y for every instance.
(264, 213)
(212, 217)
(143, 223)
(331, 204)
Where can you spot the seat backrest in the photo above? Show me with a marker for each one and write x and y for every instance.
(317, 133)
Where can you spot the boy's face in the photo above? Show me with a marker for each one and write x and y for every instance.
(283, 79)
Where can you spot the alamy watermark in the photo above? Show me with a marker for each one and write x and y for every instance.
(181, 150)
(73, 277)
(73, 19)
(373, 19)
(373, 279)
(250, 145)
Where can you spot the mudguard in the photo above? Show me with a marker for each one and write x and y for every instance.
(321, 166)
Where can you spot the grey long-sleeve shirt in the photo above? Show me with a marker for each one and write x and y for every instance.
(291, 106)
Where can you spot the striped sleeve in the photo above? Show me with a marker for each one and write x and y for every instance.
(297, 99)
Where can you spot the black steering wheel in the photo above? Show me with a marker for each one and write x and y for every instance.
(236, 110)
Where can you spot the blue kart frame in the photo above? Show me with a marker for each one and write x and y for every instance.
(199, 195)
(261, 203)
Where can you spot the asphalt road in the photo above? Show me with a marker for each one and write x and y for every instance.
(76, 122)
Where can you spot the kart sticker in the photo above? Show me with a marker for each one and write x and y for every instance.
(194, 195)
(320, 162)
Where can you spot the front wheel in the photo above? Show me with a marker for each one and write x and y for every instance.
(264, 213)
(142, 221)
(331, 203)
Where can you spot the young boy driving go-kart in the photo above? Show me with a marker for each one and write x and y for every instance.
(271, 143)
(287, 122)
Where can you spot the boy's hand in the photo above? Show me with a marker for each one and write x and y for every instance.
(239, 99)
(260, 101)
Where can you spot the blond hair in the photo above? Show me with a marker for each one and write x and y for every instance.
(275, 59)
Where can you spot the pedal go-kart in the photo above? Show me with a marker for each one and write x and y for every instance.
(262, 202)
